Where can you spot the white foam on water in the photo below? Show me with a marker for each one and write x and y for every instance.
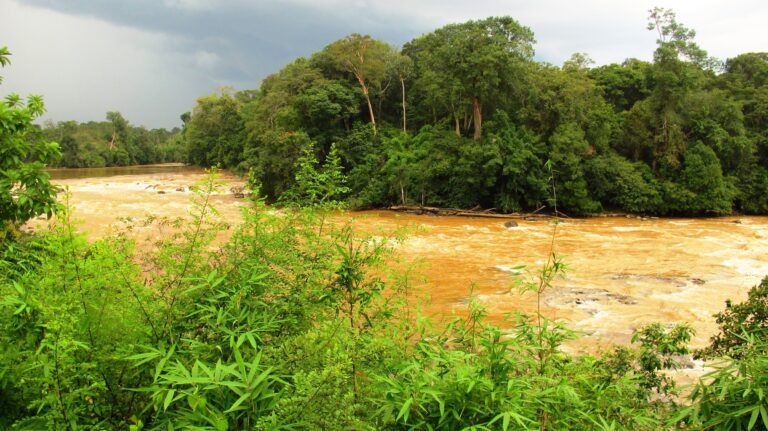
(721, 252)
(512, 269)
(595, 321)
(684, 295)
(628, 229)
(747, 266)
(469, 228)
(601, 237)
(679, 222)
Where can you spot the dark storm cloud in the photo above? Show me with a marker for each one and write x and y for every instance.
(252, 39)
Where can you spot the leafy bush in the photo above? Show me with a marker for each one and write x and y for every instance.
(25, 189)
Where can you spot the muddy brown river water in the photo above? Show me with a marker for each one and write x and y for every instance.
(622, 272)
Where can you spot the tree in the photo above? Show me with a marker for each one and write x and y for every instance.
(274, 106)
(673, 79)
(25, 188)
(579, 61)
(484, 56)
(702, 176)
(678, 38)
(402, 66)
(215, 132)
(327, 103)
(622, 84)
(365, 58)
(315, 186)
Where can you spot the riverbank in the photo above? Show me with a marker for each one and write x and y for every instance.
(623, 272)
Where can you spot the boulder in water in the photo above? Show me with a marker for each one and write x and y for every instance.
(510, 224)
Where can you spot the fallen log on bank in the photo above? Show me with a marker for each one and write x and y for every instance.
(457, 212)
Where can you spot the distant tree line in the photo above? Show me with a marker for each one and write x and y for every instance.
(463, 116)
(114, 142)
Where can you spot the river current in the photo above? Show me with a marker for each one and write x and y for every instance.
(621, 272)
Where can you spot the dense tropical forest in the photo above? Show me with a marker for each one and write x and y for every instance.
(297, 322)
(464, 117)
(114, 142)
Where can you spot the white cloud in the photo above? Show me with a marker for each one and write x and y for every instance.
(190, 5)
(85, 67)
(609, 30)
(206, 60)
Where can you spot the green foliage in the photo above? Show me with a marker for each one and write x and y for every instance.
(659, 349)
(271, 158)
(623, 185)
(706, 192)
(320, 187)
(732, 396)
(472, 61)
(215, 132)
(25, 189)
(70, 311)
(568, 147)
(113, 143)
(366, 59)
(741, 324)
(622, 85)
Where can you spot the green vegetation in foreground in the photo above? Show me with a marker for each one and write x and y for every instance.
(297, 323)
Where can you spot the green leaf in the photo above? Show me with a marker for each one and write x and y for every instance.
(236, 404)
(764, 416)
(168, 399)
(405, 410)
(222, 424)
(753, 418)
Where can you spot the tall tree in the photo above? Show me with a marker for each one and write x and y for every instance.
(402, 66)
(365, 58)
(678, 38)
(677, 65)
(485, 56)
(215, 132)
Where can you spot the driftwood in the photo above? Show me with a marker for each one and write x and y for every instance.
(421, 210)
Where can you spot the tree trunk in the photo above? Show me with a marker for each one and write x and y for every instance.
(476, 108)
(458, 126)
(370, 110)
(402, 85)
(364, 87)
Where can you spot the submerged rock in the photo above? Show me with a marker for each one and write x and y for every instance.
(237, 192)
(510, 224)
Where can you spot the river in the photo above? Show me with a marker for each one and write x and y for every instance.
(622, 272)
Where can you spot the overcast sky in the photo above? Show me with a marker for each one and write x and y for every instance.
(150, 59)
